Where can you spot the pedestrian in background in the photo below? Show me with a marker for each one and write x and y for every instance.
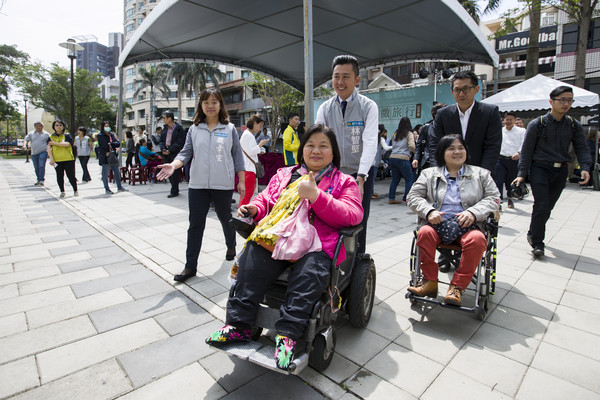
(382, 148)
(508, 163)
(403, 145)
(544, 158)
(214, 144)
(129, 148)
(265, 135)
(421, 157)
(84, 145)
(39, 150)
(172, 141)
(251, 150)
(108, 142)
(291, 140)
(60, 151)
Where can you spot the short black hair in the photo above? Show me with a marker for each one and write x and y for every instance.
(465, 75)
(129, 135)
(169, 114)
(381, 127)
(158, 128)
(443, 144)
(510, 113)
(255, 119)
(558, 91)
(58, 121)
(345, 59)
(320, 128)
(292, 115)
(83, 129)
(436, 107)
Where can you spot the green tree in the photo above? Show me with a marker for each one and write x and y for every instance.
(192, 78)
(582, 13)
(472, 7)
(51, 91)
(10, 59)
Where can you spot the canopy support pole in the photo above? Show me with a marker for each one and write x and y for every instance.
(308, 64)
(119, 124)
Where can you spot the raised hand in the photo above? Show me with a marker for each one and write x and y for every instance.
(308, 189)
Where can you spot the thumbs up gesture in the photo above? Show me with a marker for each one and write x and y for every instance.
(308, 189)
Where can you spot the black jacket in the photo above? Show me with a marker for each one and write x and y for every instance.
(104, 140)
(177, 141)
(484, 133)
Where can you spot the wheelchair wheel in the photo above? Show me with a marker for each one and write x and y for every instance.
(362, 293)
(320, 358)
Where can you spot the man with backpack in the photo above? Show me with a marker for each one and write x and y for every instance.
(544, 158)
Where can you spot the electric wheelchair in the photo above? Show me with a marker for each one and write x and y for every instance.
(351, 290)
(483, 283)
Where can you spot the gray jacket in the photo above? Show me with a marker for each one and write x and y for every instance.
(478, 192)
(217, 156)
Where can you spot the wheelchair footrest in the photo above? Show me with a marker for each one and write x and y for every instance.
(475, 309)
(262, 355)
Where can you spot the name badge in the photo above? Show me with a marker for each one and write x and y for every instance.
(221, 134)
(355, 123)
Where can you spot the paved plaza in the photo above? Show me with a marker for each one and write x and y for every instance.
(89, 309)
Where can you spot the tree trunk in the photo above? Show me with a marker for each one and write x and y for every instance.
(533, 51)
(580, 54)
(180, 111)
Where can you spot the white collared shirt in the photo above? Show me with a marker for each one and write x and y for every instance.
(464, 119)
(512, 141)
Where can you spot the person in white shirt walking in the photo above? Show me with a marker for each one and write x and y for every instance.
(507, 166)
(251, 150)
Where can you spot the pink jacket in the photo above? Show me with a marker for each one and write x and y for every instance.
(338, 205)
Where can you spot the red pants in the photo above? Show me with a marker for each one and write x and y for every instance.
(473, 245)
(250, 181)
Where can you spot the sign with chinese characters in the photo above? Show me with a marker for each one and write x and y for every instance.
(412, 111)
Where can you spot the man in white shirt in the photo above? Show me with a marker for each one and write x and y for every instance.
(508, 163)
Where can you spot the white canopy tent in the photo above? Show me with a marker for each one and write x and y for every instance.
(534, 93)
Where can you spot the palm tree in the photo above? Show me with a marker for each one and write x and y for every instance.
(156, 78)
(193, 78)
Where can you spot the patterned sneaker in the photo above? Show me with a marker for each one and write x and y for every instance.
(284, 351)
(228, 334)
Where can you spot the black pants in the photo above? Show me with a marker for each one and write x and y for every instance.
(506, 171)
(366, 203)
(199, 203)
(69, 168)
(547, 183)
(176, 177)
(129, 161)
(307, 280)
(83, 160)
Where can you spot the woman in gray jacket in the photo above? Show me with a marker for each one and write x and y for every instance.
(452, 192)
(213, 146)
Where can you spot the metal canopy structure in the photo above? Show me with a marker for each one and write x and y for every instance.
(268, 36)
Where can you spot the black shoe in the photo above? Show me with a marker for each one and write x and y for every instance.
(511, 204)
(230, 255)
(185, 275)
(173, 195)
(529, 240)
(537, 252)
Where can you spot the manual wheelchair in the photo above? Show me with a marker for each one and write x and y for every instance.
(483, 283)
(351, 290)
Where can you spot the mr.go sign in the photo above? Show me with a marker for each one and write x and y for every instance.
(518, 41)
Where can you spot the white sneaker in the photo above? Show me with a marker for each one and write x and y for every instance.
(62, 195)
(76, 194)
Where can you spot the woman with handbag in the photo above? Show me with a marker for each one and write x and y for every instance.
(455, 200)
(60, 151)
(213, 147)
(332, 201)
(251, 150)
(108, 156)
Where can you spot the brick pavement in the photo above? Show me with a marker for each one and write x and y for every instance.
(88, 308)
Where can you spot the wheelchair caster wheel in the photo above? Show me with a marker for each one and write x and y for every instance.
(320, 357)
(480, 312)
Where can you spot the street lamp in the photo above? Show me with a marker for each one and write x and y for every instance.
(7, 116)
(25, 98)
(72, 49)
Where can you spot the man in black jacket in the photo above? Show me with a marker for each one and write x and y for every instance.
(478, 123)
(421, 158)
(171, 143)
(544, 157)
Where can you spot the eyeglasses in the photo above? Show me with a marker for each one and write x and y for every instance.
(564, 100)
(464, 90)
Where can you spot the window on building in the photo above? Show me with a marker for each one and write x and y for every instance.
(232, 97)
(129, 28)
(141, 113)
(140, 20)
(140, 6)
(245, 74)
(129, 100)
(548, 19)
(129, 13)
(130, 115)
(130, 87)
(190, 112)
(569, 42)
(228, 76)
(129, 72)
(140, 97)
(128, 2)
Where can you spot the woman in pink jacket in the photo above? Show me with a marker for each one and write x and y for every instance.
(335, 203)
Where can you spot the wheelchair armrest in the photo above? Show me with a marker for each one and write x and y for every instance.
(350, 231)
(491, 224)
